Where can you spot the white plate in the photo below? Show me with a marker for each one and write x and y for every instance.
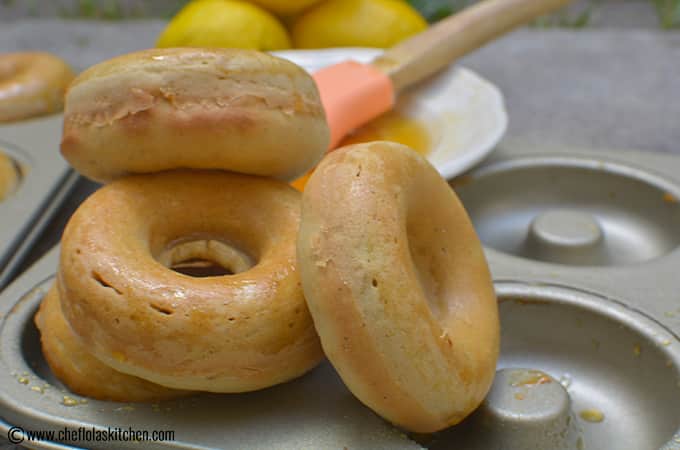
(465, 114)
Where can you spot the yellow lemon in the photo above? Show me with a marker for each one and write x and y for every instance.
(356, 23)
(285, 7)
(224, 23)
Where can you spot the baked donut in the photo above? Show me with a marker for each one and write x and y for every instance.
(228, 333)
(161, 109)
(31, 84)
(398, 285)
(79, 370)
(8, 175)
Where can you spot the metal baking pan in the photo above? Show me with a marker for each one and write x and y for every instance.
(590, 353)
(45, 181)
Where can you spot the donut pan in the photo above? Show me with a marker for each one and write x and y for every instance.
(45, 180)
(589, 297)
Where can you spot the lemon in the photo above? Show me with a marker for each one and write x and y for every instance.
(356, 23)
(285, 7)
(224, 23)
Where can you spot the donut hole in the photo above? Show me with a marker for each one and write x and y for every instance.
(432, 246)
(205, 258)
(428, 261)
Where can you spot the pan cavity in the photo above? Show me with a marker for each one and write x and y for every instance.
(573, 211)
(576, 371)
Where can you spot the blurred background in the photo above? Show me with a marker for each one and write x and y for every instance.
(648, 13)
(600, 74)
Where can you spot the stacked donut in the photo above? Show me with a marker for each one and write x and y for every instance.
(169, 129)
(193, 144)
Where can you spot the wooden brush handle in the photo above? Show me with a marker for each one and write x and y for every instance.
(452, 38)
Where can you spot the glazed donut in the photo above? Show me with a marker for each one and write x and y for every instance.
(228, 333)
(398, 286)
(8, 175)
(161, 109)
(31, 84)
(79, 370)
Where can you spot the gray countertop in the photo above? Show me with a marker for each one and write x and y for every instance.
(601, 88)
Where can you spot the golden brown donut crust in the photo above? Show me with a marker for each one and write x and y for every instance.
(79, 370)
(398, 285)
(32, 84)
(8, 175)
(222, 334)
(160, 109)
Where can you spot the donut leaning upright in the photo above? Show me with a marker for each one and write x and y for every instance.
(398, 286)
